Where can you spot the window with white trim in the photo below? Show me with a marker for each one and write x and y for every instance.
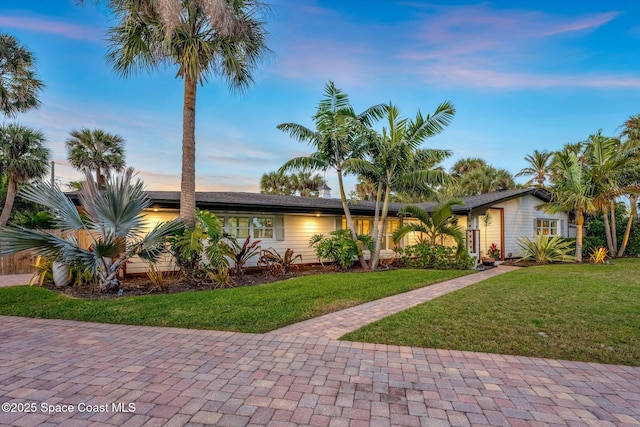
(258, 227)
(389, 228)
(550, 227)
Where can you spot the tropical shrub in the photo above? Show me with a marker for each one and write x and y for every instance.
(339, 247)
(278, 264)
(633, 247)
(200, 249)
(240, 254)
(113, 219)
(425, 255)
(220, 277)
(493, 251)
(599, 256)
(434, 226)
(546, 249)
(43, 273)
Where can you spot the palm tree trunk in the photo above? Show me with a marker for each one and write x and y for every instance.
(347, 215)
(607, 229)
(376, 217)
(12, 190)
(188, 182)
(633, 200)
(579, 225)
(614, 231)
(99, 179)
(375, 257)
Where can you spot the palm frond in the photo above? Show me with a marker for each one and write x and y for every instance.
(312, 162)
(66, 215)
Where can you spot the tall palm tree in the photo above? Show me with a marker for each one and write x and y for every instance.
(435, 226)
(339, 135)
(23, 157)
(395, 161)
(200, 38)
(97, 151)
(607, 159)
(19, 85)
(538, 167)
(572, 191)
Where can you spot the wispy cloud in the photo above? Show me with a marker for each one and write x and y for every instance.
(483, 47)
(462, 45)
(52, 26)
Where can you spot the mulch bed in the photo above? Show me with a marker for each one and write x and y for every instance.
(174, 283)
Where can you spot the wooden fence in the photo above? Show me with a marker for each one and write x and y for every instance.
(24, 262)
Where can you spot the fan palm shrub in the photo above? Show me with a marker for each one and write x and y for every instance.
(113, 219)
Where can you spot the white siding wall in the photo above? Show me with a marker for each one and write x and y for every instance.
(298, 229)
(135, 265)
(490, 231)
(519, 221)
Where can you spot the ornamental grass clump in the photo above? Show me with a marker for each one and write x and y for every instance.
(544, 249)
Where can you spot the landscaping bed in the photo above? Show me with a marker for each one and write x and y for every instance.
(175, 283)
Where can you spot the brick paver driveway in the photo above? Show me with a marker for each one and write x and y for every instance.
(97, 374)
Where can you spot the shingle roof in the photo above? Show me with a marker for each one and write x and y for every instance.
(257, 202)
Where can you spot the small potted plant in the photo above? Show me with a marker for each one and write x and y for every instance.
(493, 251)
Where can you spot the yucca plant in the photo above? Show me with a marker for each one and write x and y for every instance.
(599, 255)
(546, 249)
(113, 219)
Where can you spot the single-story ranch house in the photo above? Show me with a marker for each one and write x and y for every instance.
(282, 222)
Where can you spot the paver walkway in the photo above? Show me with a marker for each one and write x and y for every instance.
(15, 279)
(289, 377)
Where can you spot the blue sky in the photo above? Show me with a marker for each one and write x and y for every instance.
(523, 75)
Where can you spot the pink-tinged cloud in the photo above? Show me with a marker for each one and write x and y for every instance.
(317, 59)
(477, 43)
(50, 26)
(476, 29)
(583, 24)
(476, 46)
(460, 75)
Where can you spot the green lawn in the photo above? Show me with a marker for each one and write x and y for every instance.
(247, 309)
(575, 312)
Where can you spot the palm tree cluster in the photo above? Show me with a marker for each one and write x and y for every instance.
(391, 160)
(472, 176)
(589, 178)
(23, 156)
(302, 183)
